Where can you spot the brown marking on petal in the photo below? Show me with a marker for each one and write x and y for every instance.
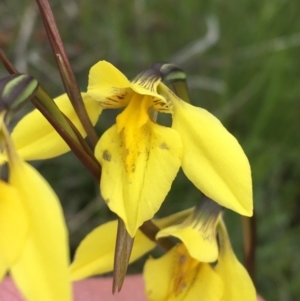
(106, 155)
(182, 259)
(120, 97)
(164, 146)
(111, 99)
(147, 155)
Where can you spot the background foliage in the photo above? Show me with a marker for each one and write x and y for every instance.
(242, 59)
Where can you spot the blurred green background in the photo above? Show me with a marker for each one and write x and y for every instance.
(242, 62)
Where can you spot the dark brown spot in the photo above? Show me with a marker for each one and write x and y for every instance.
(106, 155)
(164, 146)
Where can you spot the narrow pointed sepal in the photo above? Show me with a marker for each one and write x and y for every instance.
(237, 282)
(177, 277)
(42, 270)
(36, 139)
(123, 250)
(136, 180)
(212, 158)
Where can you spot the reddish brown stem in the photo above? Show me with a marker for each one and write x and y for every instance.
(65, 69)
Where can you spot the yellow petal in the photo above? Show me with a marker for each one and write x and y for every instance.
(109, 86)
(198, 231)
(136, 179)
(36, 139)
(202, 245)
(237, 283)
(41, 271)
(13, 224)
(213, 159)
(178, 277)
(148, 86)
(95, 254)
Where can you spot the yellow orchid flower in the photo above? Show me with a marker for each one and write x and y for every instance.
(140, 158)
(34, 240)
(179, 275)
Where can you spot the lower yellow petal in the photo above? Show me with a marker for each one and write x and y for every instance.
(36, 139)
(178, 277)
(95, 254)
(237, 282)
(213, 159)
(42, 271)
(134, 187)
(13, 224)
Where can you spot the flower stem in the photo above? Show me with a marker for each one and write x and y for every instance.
(65, 69)
(150, 230)
(63, 126)
(249, 236)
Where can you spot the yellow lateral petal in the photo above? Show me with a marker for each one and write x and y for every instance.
(213, 159)
(36, 139)
(178, 277)
(136, 192)
(237, 283)
(201, 245)
(13, 224)
(41, 271)
(108, 85)
(95, 254)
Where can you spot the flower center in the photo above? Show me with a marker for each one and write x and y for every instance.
(185, 270)
(132, 126)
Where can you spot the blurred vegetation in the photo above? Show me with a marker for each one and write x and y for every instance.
(242, 60)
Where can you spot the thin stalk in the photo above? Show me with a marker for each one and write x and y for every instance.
(150, 230)
(89, 163)
(62, 126)
(7, 64)
(249, 238)
(65, 69)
